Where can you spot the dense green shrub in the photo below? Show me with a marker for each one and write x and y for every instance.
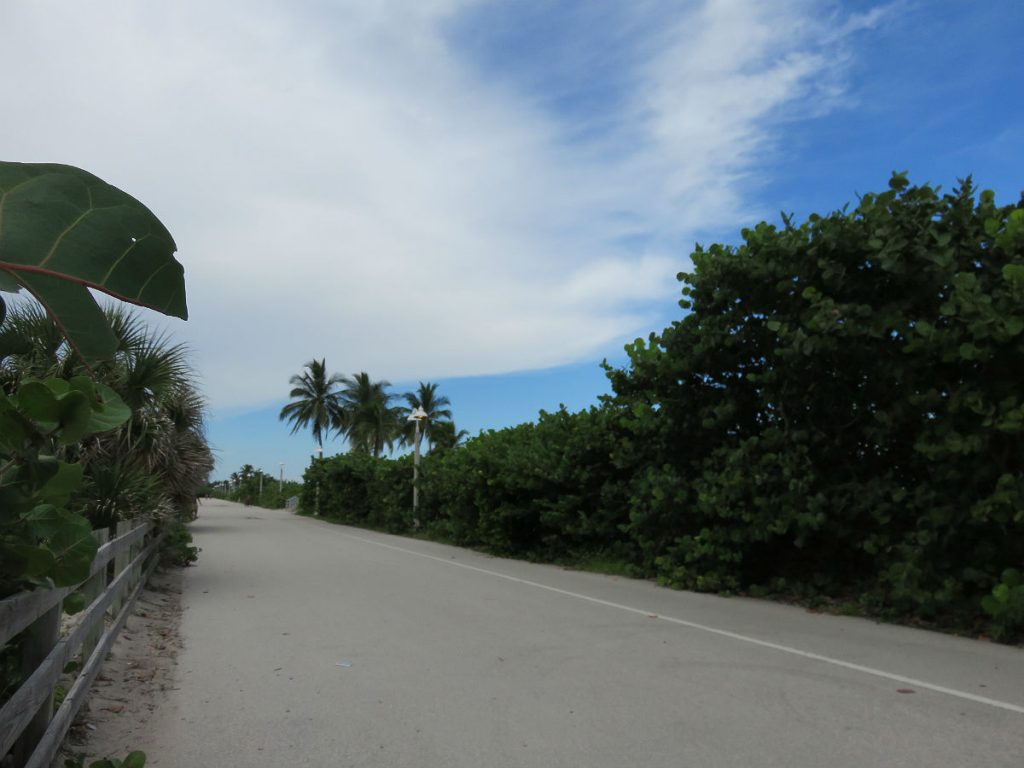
(177, 548)
(838, 414)
(547, 489)
(841, 407)
(359, 489)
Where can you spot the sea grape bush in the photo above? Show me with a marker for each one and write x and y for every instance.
(42, 543)
(838, 413)
(540, 490)
(841, 406)
(543, 490)
(359, 489)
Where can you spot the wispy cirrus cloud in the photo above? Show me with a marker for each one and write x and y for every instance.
(357, 181)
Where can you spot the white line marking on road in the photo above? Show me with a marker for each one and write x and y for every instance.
(713, 630)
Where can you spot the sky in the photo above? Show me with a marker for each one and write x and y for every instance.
(494, 196)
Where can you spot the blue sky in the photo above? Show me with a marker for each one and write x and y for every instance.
(490, 195)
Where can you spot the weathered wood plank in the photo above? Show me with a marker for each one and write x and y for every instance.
(54, 736)
(18, 710)
(20, 610)
(93, 588)
(40, 639)
(121, 561)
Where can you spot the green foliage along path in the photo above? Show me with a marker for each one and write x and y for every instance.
(841, 409)
(839, 414)
(63, 231)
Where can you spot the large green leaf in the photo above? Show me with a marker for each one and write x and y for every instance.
(76, 313)
(37, 401)
(59, 487)
(43, 521)
(63, 229)
(28, 561)
(73, 547)
(111, 412)
(75, 417)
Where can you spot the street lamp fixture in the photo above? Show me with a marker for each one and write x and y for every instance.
(418, 416)
(319, 456)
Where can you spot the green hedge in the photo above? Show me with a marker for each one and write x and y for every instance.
(358, 489)
(839, 414)
(841, 411)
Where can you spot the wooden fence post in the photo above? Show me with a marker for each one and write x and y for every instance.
(39, 639)
(92, 589)
(121, 561)
(136, 549)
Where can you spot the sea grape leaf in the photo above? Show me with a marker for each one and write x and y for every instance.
(43, 521)
(63, 230)
(74, 603)
(28, 561)
(75, 417)
(111, 413)
(73, 547)
(38, 402)
(62, 484)
(76, 313)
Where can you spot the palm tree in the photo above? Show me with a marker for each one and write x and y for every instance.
(446, 437)
(159, 458)
(426, 397)
(165, 438)
(31, 344)
(372, 422)
(315, 402)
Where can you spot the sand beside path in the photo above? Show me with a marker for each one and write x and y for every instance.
(136, 676)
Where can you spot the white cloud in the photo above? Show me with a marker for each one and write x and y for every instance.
(341, 183)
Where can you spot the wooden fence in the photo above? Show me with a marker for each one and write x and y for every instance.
(31, 731)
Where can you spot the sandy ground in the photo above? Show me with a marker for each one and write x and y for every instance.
(135, 678)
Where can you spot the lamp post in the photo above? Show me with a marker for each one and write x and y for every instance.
(319, 457)
(417, 417)
(280, 482)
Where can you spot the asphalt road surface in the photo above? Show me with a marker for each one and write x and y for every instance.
(312, 644)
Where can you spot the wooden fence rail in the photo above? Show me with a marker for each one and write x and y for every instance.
(30, 731)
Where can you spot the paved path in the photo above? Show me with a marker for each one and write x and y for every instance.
(318, 645)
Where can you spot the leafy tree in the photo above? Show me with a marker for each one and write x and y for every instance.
(840, 411)
(316, 402)
(371, 421)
